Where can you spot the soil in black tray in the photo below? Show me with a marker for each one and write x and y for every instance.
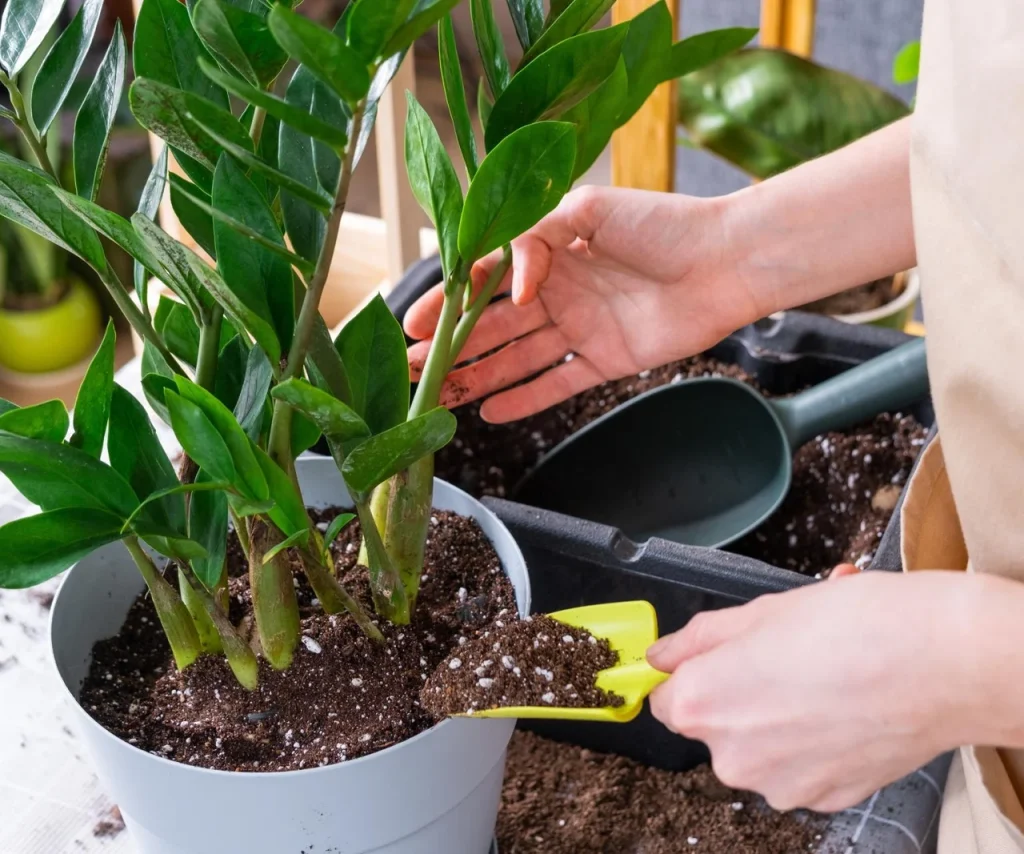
(562, 799)
(844, 487)
(343, 697)
(533, 662)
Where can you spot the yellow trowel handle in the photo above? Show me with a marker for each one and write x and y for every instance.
(635, 680)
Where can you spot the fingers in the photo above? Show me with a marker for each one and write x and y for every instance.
(422, 316)
(843, 571)
(520, 359)
(553, 386)
(703, 633)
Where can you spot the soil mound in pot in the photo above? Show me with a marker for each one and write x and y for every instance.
(343, 697)
(532, 662)
(562, 799)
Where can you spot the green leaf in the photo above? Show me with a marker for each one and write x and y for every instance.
(208, 525)
(173, 115)
(240, 39)
(424, 16)
(373, 350)
(337, 421)
(907, 63)
(39, 547)
(58, 71)
(766, 111)
(646, 54)
(556, 81)
(250, 481)
(490, 45)
(394, 450)
(701, 50)
(484, 105)
(136, 454)
(24, 25)
(299, 537)
(167, 50)
(291, 114)
(149, 205)
(288, 512)
(27, 197)
(259, 277)
(519, 182)
(231, 361)
(319, 200)
(92, 406)
(193, 218)
(455, 93)
(199, 438)
(433, 180)
(178, 327)
(252, 398)
(579, 16)
(157, 377)
(178, 266)
(92, 126)
(371, 23)
(528, 18)
(556, 7)
(597, 117)
(326, 161)
(336, 526)
(54, 476)
(47, 421)
(324, 364)
(322, 52)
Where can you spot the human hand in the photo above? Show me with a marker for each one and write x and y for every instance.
(818, 697)
(623, 279)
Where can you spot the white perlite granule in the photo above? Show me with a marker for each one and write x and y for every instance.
(312, 645)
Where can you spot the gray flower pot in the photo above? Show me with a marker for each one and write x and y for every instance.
(437, 792)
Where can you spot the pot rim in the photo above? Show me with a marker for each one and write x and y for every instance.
(277, 775)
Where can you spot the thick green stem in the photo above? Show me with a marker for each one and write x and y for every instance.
(334, 598)
(428, 389)
(173, 615)
(259, 116)
(209, 638)
(273, 596)
(476, 308)
(241, 659)
(24, 126)
(240, 531)
(408, 522)
(134, 316)
(209, 349)
(389, 597)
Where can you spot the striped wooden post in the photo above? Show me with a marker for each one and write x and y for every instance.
(788, 24)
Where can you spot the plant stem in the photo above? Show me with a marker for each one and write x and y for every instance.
(174, 616)
(209, 349)
(428, 390)
(476, 308)
(21, 122)
(209, 638)
(389, 597)
(273, 596)
(240, 531)
(135, 317)
(259, 116)
(333, 597)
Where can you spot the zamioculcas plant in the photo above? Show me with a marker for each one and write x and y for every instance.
(266, 114)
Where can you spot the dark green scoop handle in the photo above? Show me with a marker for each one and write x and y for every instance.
(890, 381)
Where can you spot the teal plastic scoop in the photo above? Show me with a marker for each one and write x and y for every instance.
(704, 461)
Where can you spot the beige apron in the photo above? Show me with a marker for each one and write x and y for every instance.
(967, 175)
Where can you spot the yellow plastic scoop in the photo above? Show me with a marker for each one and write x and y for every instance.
(630, 628)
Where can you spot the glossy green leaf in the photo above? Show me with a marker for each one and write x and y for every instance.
(580, 16)
(240, 39)
(58, 71)
(484, 105)
(424, 16)
(324, 364)
(167, 50)
(180, 268)
(766, 111)
(157, 377)
(338, 422)
(173, 115)
(490, 45)
(296, 539)
(288, 512)
(556, 81)
(136, 454)
(193, 218)
(252, 398)
(36, 548)
(208, 525)
(455, 93)
(288, 111)
(199, 438)
(178, 327)
(305, 434)
(907, 63)
(260, 278)
(528, 19)
(701, 50)
(336, 526)
(27, 197)
(373, 349)
(519, 182)
(371, 23)
(92, 406)
(149, 205)
(646, 53)
(231, 361)
(597, 117)
(433, 180)
(326, 162)
(53, 476)
(23, 27)
(394, 450)
(47, 421)
(555, 8)
(322, 52)
(250, 481)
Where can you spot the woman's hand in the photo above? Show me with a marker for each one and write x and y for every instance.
(624, 279)
(819, 696)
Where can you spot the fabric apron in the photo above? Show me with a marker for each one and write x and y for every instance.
(967, 497)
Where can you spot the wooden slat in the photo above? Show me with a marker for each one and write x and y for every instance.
(644, 149)
(788, 24)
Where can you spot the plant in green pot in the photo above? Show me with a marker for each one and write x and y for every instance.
(253, 625)
(766, 111)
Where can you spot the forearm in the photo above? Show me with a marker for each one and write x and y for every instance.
(828, 225)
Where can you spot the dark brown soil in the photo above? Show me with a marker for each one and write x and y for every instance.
(533, 662)
(343, 696)
(862, 298)
(561, 799)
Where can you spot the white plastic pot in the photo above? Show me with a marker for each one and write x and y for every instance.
(436, 793)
